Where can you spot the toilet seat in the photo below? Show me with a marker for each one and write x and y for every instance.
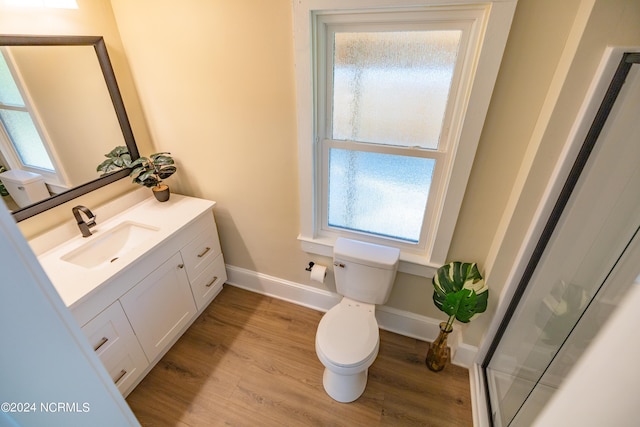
(348, 334)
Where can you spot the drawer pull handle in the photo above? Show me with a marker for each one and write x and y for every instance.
(122, 374)
(207, 249)
(102, 342)
(215, 278)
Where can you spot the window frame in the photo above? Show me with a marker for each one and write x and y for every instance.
(491, 23)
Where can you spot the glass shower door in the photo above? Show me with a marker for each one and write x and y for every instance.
(546, 338)
(588, 262)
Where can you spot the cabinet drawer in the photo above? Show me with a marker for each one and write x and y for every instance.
(122, 366)
(115, 343)
(201, 251)
(207, 285)
(106, 329)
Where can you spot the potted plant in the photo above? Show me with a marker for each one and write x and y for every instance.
(146, 171)
(460, 292)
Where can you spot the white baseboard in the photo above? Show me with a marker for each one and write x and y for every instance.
(389, 318)
(296, 293)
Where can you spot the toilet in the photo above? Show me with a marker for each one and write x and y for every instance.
(347, 339)
(25, 188)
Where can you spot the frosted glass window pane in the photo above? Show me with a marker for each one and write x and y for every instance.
(392, 87)
(25, 139)
(9, 93)
(382, 194)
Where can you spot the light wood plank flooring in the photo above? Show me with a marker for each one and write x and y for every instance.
(249, 360)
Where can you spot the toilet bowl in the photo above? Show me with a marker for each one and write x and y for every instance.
(347, 343)
(348, 338)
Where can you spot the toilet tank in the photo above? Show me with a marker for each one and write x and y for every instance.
(364, 271)
(24, 187)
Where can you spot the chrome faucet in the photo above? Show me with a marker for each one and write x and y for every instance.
(84, 226)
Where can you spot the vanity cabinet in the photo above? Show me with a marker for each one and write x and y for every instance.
(135, 318)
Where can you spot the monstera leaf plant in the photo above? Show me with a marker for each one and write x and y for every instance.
(459, 291)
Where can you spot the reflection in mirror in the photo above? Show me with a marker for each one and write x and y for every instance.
(60, 112)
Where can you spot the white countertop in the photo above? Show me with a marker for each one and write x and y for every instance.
(73, 282)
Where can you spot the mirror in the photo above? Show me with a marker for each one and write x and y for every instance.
(70, 87)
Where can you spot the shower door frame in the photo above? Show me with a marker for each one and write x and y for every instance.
(618, 69)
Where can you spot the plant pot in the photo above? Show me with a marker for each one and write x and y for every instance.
(161, 192)
(439, 352)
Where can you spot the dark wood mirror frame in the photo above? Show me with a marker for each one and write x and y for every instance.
(112, 86)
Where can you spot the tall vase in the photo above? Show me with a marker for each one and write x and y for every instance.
(438, 354)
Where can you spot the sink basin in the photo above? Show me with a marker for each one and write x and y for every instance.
(107, 247)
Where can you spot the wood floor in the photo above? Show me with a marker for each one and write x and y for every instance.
(249, 360)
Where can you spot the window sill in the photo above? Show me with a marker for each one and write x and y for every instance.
(409, 263)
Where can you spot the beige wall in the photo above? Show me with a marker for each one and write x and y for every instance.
(216, 82)
(534, 49)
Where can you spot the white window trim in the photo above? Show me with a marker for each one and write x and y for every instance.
(496, 22)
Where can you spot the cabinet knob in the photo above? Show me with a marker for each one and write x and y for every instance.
(180, 265)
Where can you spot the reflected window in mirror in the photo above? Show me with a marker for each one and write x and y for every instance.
(23, 141)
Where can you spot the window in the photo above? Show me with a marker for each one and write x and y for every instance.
(387, 92)
(389, 128)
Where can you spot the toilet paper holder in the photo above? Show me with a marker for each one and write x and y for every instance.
(311, 264)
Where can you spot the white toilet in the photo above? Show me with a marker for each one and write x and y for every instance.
(25, 188)
(348, 338)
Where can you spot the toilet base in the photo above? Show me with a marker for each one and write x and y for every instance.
(344, 388)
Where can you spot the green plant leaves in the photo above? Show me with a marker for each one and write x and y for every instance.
(117, 158)
(162, 158)
(460, 291)
(147, 171)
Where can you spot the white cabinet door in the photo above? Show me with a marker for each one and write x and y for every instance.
(160, 306)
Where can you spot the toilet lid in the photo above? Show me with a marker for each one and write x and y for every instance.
(348, 333)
